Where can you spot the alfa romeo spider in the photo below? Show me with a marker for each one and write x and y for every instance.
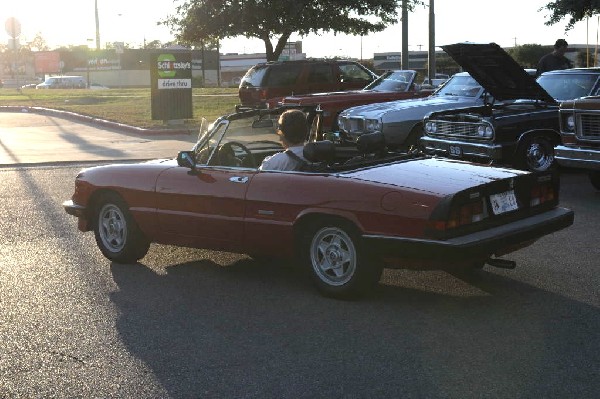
(345, 216)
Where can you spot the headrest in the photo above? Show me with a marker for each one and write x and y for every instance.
(319, 151)
(370, 143)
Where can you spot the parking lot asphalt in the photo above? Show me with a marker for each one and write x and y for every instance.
(34, 138)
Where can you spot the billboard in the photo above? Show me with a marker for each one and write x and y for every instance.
(47, 62)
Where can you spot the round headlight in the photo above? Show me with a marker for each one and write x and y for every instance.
(430, 127)
(571, 122)
(372, 125)
(485, 131)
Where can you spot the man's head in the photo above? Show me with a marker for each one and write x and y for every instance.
(292, 127)
(561, 46)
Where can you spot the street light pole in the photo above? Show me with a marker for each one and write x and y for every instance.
(97, 26)
(404, 54)
(87, 53)
(432, 68)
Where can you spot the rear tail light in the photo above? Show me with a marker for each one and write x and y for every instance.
(462, 215)
(471, 212)
(262, 94)
(541, 193)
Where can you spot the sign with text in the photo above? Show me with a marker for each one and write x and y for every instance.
(171, 84)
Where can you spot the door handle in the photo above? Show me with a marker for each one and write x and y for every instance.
(238, 179)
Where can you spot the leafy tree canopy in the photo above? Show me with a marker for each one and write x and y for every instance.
(38, 43)
(198, 21)
(528, 55)
(574, 10)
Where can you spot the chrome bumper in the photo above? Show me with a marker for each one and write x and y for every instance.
(486, 151)
(577, 157)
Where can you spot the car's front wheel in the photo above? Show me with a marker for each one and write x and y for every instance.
(536, 154)
(338, 261)
(117, 235)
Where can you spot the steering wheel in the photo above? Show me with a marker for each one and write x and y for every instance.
(227, 157)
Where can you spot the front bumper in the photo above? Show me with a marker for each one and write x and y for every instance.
(73, 209)
(78, 211)
(462, 149)
(577, 157)
(497, 240)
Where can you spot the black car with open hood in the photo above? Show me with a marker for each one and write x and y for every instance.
(518, 124)
(497, 72)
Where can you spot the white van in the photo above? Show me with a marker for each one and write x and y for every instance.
(63, 82)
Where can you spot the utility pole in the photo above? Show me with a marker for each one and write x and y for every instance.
(404, 56)
(431, 54)
(97, 26)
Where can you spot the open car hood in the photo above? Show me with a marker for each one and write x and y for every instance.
(497, 71)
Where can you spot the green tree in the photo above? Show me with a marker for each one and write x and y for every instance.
(574, 10)
(38, 43)
(443, 64)
(586, 58)
(153, 44)
(274, 21)
(528, 55)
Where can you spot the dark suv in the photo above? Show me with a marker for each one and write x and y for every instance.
(278, 79)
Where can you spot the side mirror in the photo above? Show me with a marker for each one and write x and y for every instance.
(186, 159)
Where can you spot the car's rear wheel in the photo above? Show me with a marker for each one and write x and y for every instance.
(536, 154)
(595, 179)
(338, 262)
(117, 235)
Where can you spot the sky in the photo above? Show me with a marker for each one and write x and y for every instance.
(506, 22)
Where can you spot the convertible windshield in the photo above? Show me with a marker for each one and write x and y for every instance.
(240, 142)
(392, 81)
(462, 86)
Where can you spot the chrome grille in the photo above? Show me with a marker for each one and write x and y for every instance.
(589, 126)
(458, 129)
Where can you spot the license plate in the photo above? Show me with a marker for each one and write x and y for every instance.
(504, 202)
(455, 151)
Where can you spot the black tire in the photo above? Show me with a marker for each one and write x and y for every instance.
(338, 262)
(595, 179)
(117, 234)
(536, 154)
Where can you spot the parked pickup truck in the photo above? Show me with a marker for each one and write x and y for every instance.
(580, 135)
(518, 125)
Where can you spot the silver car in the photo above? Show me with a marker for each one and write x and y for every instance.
(401, 121)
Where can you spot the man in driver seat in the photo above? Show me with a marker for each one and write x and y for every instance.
(292, 130)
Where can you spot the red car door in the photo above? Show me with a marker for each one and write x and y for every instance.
(207, 205)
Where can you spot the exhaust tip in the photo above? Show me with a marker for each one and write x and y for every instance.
(501, 263)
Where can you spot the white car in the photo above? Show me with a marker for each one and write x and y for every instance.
(63, 82)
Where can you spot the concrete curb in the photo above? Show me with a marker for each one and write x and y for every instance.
(96, 121)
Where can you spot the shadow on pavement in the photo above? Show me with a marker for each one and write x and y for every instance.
(252, 330)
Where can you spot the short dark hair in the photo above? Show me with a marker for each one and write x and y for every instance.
(293, 126)
(561, 43)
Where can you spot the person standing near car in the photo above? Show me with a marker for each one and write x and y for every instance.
(292, 129)
(556, 59)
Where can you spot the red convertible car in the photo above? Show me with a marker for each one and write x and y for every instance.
(345, 219)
